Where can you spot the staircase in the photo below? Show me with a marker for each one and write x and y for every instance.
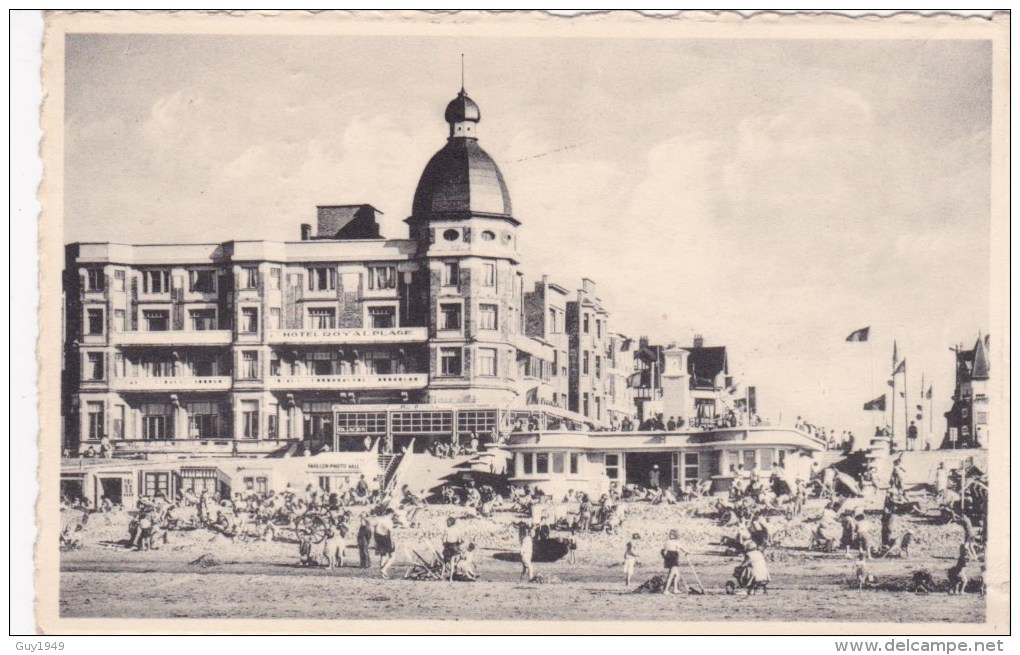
(389, 464)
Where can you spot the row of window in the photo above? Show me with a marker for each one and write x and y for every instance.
(486, 235)
(204, 280)
(586, 405)
(315, 363)
(450, 316)
(539, 463)
(586, 325)
(155, 365)
(205, 421)
(451, 274)
(586, 367)
(319, 318)
(556, 320)
(213, 420)
(209, 420)
(157, 281)
(451, 361)
(332, 362)
(201, 319)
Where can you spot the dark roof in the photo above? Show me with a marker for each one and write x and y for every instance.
(461, 179)
(347, 222)
(705, 363)
(462, 108)
(648, 354)
(973, 364)
(979, 366)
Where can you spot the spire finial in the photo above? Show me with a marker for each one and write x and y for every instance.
(462, 72)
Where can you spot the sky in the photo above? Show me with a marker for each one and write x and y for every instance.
(770, 195)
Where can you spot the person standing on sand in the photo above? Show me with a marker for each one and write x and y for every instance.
(671, 561)
(527, 550)
(452, 542)
(757, 568)
(584, 515)
(365, 542)
(334, 545)
(384, 542)
(941, 483)
(630, 558)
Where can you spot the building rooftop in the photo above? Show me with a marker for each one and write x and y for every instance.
(461, 178)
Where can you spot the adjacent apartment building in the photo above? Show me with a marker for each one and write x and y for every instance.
(967, 420)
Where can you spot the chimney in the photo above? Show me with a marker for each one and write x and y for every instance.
(306, 231)
(699, 341)
(587, 285)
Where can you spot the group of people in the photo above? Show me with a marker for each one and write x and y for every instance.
(455, 448)
(752, 573)
(375, 532)
(105, 450)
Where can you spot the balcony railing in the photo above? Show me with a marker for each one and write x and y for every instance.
(393, 381)
(349, 335)
(174, 338)
(221, 446)
(210, 383)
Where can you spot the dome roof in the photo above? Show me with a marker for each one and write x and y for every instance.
(462, 108)
(461, 178)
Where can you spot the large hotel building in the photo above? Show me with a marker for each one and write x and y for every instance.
(192, 347)
(341, 339)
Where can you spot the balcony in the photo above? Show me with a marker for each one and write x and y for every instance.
(349, 335)
(351, 382)
(224, 447)
(210, 383)
(173, 338)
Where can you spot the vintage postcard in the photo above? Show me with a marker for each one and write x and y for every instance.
(514, 323)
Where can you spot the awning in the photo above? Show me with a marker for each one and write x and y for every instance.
(187, 472)
(204, 473)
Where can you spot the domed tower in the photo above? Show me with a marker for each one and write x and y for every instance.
(467, 242)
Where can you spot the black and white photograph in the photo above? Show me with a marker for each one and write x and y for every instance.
(369, 322)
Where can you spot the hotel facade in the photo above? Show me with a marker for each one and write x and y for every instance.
(253, 345)
(343, 340)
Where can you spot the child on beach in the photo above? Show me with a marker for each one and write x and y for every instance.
(527, 550)
(334, 545)
(630, 557)
(464, 570)
(572, 546)
(756, 569)
(305, 552)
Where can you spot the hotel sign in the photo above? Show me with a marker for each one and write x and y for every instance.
(350, 335)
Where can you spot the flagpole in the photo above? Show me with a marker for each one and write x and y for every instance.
(920, 408)
(906, 408)
(892, 414)
(892, 409)
(871, 360)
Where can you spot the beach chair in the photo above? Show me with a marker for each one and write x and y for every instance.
(421, 568)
